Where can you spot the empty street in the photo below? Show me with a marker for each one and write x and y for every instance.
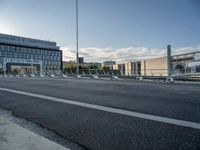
(109, 114)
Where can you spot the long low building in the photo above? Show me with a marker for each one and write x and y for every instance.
(188, 63)
(154, 67)
(25, 55)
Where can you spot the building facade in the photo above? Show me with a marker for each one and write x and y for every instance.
(81, 60)
(26, 55)
(129, 68)
(188, 63)
(182, 64)
(120, 67)
(133, 68)
(108, 64)
(154, 67)
(95, 65)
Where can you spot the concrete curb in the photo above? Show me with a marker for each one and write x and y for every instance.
(13, 136)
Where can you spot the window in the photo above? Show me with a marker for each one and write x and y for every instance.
(9, 49)
(20, 55)
(1, 47)
(38, 52)
(18, 49)
(15, 55)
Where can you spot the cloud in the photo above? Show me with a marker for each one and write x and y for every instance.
(93, 54)
(183, 50)
(68, 53)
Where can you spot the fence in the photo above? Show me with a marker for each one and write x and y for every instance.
(132, 72)
(120, 73)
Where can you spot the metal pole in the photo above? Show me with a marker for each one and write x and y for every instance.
(41, 69)
(32, 65)
(169, 61)
(77, 56)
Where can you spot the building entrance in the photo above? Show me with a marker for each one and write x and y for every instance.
(22, 68)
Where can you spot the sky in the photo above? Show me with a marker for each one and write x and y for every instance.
(120, 30)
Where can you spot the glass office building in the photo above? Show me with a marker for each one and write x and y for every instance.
(26, 55)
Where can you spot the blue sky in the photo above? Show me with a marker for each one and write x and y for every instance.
(131, 29)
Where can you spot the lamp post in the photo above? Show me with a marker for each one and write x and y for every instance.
(169, 65)
(169, 61)
(77, 55)
(31, 64)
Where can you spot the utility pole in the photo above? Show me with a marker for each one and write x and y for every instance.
(77, 55)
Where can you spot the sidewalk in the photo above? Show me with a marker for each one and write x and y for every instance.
(14, 137)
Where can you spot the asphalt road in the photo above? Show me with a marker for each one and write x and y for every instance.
(95, 129)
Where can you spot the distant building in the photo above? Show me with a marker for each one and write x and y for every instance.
(109, 64)
(129, 68)
(120, 67)
(137, 68)
(154, 67)
(186, 63)
(26, 55)
(92, 65)
(81, 60)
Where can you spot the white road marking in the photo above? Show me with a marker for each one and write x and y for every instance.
(111, 110)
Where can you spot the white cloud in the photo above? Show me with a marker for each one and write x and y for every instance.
(183, 50)
(93, 54)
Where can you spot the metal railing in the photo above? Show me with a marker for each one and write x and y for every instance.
(109, 73)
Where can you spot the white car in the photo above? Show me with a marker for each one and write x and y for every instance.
(95, 76)
(52, 75)
(32, 75)
(139, 78)
(169, 80)
(64, 75)
(41, 75)
(17, 75)
(115, 77)
(78, 76)
(24, 75)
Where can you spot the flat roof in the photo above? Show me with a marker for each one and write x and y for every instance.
(24, 41)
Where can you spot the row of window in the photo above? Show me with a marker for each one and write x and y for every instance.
(7, 48)
(46, 62)
(51, 67)
(28, 56)
(47, 65)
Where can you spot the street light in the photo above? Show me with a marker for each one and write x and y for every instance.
(77, 56)
(169, 65)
